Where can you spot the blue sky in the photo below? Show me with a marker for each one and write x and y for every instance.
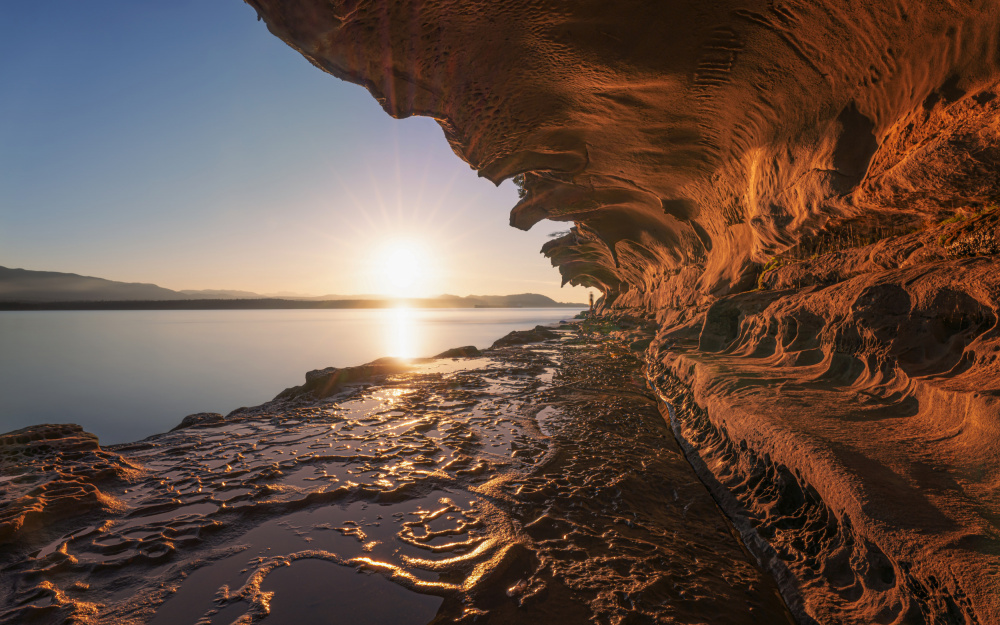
(180, 143)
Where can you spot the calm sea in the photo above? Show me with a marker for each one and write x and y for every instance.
(125, 375)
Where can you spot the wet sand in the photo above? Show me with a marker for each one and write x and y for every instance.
(536, 482)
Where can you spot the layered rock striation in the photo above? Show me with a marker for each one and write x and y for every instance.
(685, 137)
(803, 196)
(52, 473)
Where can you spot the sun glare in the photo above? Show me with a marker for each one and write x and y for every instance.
(402, 333)
(404, 269)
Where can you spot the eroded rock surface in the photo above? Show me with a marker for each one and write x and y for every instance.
(467, 351)
(322, 383)
(690, 140)
(802, 194)
(49, 473)
(520, 337)
(536, 483)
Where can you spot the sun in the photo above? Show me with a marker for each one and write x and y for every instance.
(403, 268)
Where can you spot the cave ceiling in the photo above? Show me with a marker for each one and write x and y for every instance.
(692, 138)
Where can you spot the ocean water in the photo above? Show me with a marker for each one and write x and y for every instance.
(125, 375)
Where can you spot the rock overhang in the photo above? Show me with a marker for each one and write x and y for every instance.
(685, 135)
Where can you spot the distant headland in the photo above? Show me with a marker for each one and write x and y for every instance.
(23, 289)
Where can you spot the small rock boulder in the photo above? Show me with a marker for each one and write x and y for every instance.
(316, 374)
(468, 351)
(322, 383)
(520, 337)
(200, 418)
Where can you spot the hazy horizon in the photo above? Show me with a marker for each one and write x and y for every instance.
(124, 375)
(140, 145)
(292, 294)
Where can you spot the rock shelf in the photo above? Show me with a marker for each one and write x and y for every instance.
(534, 481)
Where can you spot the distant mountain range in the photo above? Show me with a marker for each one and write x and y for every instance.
(33, 290)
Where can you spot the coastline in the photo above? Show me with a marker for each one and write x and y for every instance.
(125, 375)
(540, 432)
(812, 524)
(783, 408)
(268, 304)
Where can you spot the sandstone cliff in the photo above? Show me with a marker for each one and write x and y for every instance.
(802, 195)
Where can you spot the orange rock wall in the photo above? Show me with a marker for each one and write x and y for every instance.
(772, 182)
(687, 134)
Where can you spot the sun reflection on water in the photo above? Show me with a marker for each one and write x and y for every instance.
(401, 333)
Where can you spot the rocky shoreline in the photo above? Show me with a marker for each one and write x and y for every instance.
(535, 480)
(801, 200)
(844, 538)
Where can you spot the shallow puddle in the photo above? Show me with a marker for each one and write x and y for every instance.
(315, 592)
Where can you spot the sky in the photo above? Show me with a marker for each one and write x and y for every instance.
(182, 144)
